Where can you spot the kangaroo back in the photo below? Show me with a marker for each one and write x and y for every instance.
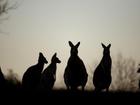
(102, 75)
(31, 77)
(75, 74)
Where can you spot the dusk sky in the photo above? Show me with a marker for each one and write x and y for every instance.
(47, 25)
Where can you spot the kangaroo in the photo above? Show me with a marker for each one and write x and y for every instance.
(48, 76)
(102, 75)
(75, 74)
(138, 71)
(31, 77)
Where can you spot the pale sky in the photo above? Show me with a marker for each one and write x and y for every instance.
(47, 26)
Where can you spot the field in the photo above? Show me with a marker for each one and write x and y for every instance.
(62, 96)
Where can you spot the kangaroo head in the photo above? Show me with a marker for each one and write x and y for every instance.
(42, 58)
(55, 59)
(74, 49)
(106, 49)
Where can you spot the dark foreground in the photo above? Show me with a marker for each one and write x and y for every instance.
(70, 97)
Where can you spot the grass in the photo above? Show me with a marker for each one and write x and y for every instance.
(61, 96)
(72, 95)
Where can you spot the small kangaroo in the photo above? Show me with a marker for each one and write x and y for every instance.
(75, 74)
(48, 76)
(31, 77)
(102, 75)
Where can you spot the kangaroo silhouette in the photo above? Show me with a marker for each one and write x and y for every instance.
(138, 71)
(102, 74)
(75, 74)
(48, 76)
(31, 77)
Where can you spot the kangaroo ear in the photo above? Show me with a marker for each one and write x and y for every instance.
(70, 43)
(77, 45)
(40, 54)
(55, 54)
(109, 46)
(103, 45)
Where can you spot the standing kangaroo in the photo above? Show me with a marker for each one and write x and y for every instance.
(102, 75)
(75, 74)
(48, 77)
(31, 77)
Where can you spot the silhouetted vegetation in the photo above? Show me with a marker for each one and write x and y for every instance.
(12, 81)
(125, 74)
(6, 6)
